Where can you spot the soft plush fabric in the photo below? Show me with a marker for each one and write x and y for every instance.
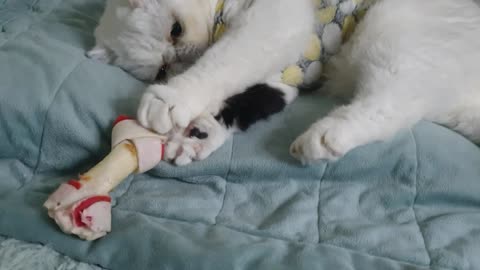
(410, 203)
(18, 255)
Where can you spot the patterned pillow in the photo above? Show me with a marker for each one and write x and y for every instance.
(336, 21)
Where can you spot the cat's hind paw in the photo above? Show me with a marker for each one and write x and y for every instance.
(325, 140)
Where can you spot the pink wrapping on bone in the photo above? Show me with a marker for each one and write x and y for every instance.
(89, 218)
(148, 144)
(82, 207)
(149, 153)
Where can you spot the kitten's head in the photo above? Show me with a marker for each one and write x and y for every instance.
(153, 39)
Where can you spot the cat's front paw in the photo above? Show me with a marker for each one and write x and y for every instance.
(324, 140)
(202, 137)
(162, 108)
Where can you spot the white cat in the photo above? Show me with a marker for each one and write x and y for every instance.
(407, 60)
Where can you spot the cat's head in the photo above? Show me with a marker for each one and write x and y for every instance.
(152, 39)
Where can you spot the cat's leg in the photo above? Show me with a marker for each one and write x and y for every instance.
(365, 120)
(250, 51)
(465, 119)
(208, 132)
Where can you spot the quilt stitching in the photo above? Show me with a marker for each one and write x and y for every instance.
(226, 179)
(37, 19)
(319, 205)
(7, 22)
(87, 16)
(33, 4)
(230, 168)
(251, 233)
(40, 146)
(416, 196)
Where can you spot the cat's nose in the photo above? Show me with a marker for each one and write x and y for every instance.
(162, 73)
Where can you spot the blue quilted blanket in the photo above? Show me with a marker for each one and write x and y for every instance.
(18, 255)
(409, 203)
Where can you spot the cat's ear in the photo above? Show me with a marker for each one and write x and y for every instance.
(101, 54)
(136, 3)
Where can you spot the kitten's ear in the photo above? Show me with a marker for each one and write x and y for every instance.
(136, 3)
(101, 54)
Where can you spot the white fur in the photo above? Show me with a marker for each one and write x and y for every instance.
(251, 51)
(261, 40)
(407, 60)
(135, 34)
(182, 149)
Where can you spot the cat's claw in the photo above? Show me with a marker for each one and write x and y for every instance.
(162, 109)
(200, 139)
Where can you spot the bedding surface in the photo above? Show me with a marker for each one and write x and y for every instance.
(412, 202)
(18, 255)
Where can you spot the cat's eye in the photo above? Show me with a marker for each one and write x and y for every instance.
(177, 30)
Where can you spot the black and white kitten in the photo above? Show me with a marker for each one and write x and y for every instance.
(407, 60)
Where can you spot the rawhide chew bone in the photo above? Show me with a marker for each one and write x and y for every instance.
(83, 207)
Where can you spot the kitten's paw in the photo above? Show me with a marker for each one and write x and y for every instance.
(162, 109)
(325, 140)
(202, 137)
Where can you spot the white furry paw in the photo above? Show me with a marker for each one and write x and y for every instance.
(162, 109)
(325, 140)
(202, 137)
